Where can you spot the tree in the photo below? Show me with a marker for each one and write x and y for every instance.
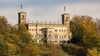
(55, 50)
(73, 49)
(25, 37)
(77, 30)
(92, 52)
(98, 24)
(3, 25)
(85, 32)
(22, 28)
(11, 49)
(3, 48)
(31, 50)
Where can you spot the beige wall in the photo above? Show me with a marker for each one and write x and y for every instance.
(61, 32)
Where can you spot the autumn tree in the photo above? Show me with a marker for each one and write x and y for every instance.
(3, 25)
(22, 28)
(73, 49)
(98, 24)
(84, 29)
(85, 32)
(77, 30)
(55, 50)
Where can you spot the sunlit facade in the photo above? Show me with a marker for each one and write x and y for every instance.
(55, 33)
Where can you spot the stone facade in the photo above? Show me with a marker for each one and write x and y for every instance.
(56, 33)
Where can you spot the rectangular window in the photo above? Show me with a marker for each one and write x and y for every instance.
(64, 36)
(30, 29)
(56, 36)
(55, 30)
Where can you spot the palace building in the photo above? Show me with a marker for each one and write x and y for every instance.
(56, 33)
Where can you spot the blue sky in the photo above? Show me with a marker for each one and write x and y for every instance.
(48, 10)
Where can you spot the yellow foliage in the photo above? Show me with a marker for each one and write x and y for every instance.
(11, 45)
(92, 52)
(11, 48)
(1, 36)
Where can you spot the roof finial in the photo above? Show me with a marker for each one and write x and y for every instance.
(21, 7)
(64, 8)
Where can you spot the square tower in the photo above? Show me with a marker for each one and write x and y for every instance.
(65, 18)
(22, 17)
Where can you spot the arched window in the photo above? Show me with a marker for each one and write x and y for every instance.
(23, 16)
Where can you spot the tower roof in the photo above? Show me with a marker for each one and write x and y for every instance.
(21, 9)
(64, 8)
(65, 11)
(21, 6)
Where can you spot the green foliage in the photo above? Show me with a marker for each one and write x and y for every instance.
(73, 49)
(3, 25)
(77, 32)
(90, 42)
(3, 48)
(92, 52)
(22, 28)
(55, 50)
(18, 42)
(25, 37)
(85, 34)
